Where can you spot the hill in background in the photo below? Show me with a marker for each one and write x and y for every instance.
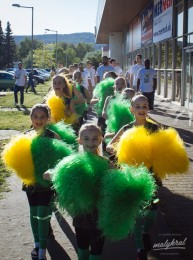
(73, 38)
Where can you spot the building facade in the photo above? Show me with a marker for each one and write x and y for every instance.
(160, 30)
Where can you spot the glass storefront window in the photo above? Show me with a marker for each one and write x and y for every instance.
(156, 55)
(179, 20)
(179, 47)
(190, 40)
(162, 56)
(190, 15)
(169, 55)
(178, 75)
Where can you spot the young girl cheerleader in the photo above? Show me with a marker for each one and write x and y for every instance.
(142, 142)
(29, 155)
(60, 101)
(77, 182)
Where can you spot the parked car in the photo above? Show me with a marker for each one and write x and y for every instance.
(7, 80)
(44, 74)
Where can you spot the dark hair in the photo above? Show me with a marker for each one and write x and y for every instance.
(139, 55)
(44, 107)
(112, 60)
(112, 74)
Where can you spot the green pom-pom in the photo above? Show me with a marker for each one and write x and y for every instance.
(124, 193)
(66, 133)
(46, 153)
(76, 180)
(102, 90)
(119, 114)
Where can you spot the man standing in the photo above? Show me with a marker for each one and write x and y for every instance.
(147, 82)
(134, 70)
(103, 68)
(21, 80)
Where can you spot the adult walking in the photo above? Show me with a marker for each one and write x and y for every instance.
(147, 82)
(103, 68)
(134, 70)
(31, 82)
(21, 80)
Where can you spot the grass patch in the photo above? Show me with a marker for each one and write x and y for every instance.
(17, 118)
(29, 98)
(12, 118)
(3, 172)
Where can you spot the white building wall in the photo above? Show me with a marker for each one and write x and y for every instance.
(115, 47)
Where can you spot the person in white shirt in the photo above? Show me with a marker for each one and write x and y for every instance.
(118, 69)
(91, 71)
(20, 83)
(147, 82)
(134, 70)
(86, 80)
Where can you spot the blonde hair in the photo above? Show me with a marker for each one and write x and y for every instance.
(136, 97)
(66, 89)
(91, 127)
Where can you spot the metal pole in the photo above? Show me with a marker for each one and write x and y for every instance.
(56, 48)
(32, 36)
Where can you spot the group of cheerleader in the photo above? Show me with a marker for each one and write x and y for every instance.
(106, 198)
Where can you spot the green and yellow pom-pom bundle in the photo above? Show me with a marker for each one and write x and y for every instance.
(76, 180)
(118, 114)
(29, 156)
(102, 90)
(58, 108)
(124, 194)
(66, 133)
(163, 150)
(46, 153)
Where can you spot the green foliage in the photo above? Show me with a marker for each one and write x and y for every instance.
(25, 48)
(10, 47)
(94, 56)
(43, 58)
(2, 48)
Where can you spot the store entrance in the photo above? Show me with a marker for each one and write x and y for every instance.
(189, 79)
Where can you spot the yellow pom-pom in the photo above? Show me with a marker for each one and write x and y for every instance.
(58, 108)
(17, 157)
(134, 147)
(169, 154)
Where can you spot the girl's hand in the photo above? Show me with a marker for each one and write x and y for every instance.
(47, 175)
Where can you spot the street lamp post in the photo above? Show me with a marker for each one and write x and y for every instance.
(32, 33)
(56, 43)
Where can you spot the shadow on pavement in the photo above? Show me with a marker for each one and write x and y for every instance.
(56, 251)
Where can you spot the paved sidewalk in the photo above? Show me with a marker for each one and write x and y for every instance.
(173, 223)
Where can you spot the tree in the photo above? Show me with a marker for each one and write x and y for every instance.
(82, 49)
(25, 47)
(95, 57)
(2, 48)
(43, 58)
(10, 47)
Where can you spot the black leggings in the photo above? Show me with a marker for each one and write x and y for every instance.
(92, 238)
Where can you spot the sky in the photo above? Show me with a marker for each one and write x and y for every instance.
(64, 16)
